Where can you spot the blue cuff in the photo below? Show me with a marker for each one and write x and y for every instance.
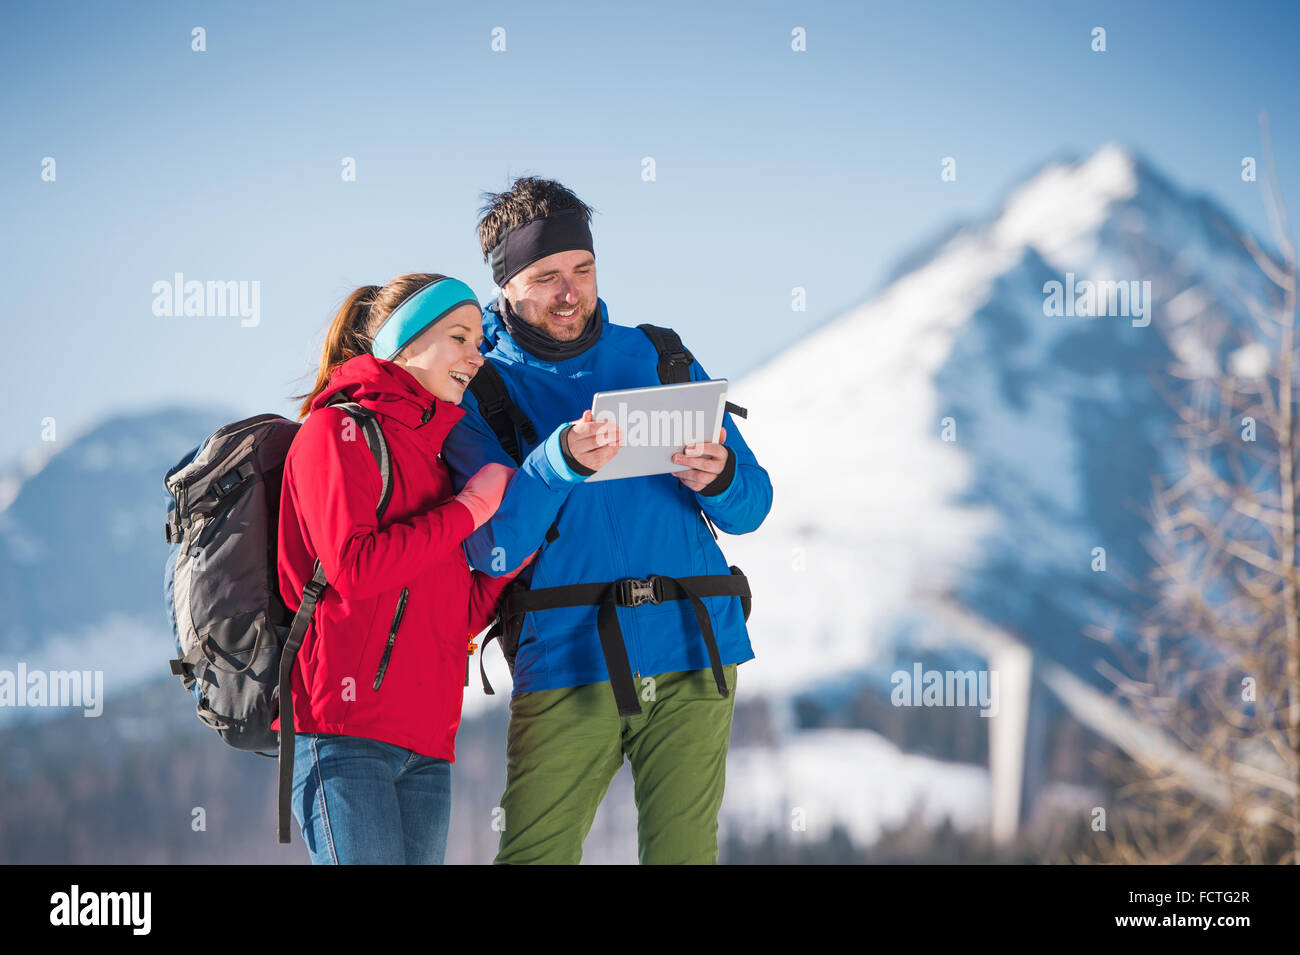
(554, 454)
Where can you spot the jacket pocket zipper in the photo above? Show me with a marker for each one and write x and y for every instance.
(392, 636)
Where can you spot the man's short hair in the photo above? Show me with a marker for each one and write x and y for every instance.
(528, 198)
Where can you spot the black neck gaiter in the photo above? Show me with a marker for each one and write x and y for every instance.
(539, 343)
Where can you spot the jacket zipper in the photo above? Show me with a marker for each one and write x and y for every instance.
(392, 636)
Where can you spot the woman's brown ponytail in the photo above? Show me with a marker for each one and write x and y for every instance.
(354, 324)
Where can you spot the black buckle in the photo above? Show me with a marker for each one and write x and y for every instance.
(679, 358)
(635, 591)
(313, 589)
(226, 483)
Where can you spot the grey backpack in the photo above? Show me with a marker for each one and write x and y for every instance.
(236, 639)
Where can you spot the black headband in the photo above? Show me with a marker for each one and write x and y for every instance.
(536, 239)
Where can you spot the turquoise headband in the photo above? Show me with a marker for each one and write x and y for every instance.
(418, 313)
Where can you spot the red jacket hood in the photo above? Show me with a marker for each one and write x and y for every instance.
(387, 388)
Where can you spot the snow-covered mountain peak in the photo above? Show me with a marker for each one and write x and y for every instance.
(1066, 203)
(959, 436)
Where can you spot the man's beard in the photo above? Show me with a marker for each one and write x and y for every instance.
(565, 333)
(539, 339)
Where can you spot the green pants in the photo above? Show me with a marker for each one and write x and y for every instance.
(564, 747)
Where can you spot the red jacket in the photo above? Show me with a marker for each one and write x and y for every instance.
(327, 511)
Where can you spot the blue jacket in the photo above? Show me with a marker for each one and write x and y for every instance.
(632, 527)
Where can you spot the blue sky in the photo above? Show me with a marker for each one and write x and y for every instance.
(774, 169)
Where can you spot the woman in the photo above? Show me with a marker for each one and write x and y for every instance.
(378, 684)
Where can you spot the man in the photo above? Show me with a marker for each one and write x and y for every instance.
(629, 625)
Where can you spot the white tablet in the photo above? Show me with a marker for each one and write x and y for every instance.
(658, 422)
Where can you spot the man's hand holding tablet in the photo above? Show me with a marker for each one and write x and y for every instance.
(593, 443)
(706, 461)
(657, 426)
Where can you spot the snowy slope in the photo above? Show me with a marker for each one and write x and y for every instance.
(855, 778)
(1058, 429)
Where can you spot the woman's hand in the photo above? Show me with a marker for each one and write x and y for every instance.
(482, 493)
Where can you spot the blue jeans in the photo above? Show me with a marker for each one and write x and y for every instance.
(363, 802)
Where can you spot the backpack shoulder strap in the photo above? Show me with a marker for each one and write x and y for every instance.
(675, 361)
(378, 447)
(501, 414)
(288, 654)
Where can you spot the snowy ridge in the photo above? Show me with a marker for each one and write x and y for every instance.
(82, 550)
